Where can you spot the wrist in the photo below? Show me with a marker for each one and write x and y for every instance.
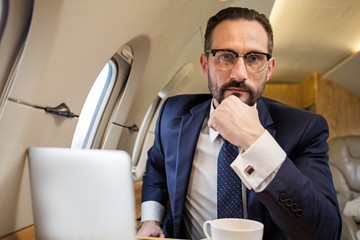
(252, 139)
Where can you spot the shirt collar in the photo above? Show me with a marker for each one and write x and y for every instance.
(213, 134)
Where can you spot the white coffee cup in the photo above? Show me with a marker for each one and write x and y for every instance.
(233, 229)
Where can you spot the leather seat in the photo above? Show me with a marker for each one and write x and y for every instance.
(344, 159)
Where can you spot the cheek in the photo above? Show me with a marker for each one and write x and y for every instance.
(219, 77)
(257, 82)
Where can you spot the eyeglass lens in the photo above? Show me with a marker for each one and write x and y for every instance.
(254, 62)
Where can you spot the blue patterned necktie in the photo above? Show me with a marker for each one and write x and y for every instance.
(229, 195)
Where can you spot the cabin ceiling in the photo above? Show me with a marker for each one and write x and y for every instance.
(310, 36)
(317, 36)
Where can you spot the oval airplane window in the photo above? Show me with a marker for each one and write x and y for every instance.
(146, 135)
(94, 106)
(102, 99)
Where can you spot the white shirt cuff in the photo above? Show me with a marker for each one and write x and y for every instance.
(258, 165)
(151, 210)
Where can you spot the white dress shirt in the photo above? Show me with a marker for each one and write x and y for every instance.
(265, 156)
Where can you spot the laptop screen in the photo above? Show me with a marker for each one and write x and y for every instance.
(81, 194)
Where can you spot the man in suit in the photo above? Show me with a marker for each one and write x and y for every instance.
(282, 162)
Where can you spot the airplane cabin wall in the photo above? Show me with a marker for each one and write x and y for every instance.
(68, 44)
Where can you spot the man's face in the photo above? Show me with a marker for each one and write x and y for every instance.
(242, 37)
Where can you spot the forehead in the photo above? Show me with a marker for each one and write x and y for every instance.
(240, 35)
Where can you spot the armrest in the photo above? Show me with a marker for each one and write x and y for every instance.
(349, 228)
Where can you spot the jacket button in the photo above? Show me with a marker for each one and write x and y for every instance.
(294, 207)
(283, 197)
(288, 202)
(299, 212)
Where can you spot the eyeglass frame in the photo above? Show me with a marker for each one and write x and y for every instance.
(214, 51)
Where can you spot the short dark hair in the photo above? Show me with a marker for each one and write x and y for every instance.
(235, 13)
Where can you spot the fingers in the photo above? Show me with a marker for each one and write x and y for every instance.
(150, 229)
(222, 112)
(236, 122)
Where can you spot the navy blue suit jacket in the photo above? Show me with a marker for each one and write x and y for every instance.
(299, 203)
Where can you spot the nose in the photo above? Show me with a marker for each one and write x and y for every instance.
(239, 72)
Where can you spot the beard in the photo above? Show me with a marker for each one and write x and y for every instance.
(219, 93)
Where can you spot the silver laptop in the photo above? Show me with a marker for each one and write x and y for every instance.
(81, 194)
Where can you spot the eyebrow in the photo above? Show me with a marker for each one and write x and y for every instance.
(233, 51)
(250, 51)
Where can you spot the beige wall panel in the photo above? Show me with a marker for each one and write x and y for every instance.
(33, 127)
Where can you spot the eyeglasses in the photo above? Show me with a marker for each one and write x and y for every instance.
(225, 59)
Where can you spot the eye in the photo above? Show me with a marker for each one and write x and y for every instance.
(226, 56)
(254, 58)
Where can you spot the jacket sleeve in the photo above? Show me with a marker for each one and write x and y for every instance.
(301, 198)
(154, 180)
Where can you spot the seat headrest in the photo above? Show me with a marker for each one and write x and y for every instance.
(344, 153)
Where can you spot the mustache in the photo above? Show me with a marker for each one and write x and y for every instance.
(235, 84)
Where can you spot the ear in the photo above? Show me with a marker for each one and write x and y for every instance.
(204, 64)
(271, 66)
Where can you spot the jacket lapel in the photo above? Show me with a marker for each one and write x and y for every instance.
(190, 128)
(265, 117)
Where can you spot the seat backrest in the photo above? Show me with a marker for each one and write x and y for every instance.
(344, 159)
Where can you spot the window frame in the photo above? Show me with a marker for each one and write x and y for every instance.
(122, 64)
(147, 129)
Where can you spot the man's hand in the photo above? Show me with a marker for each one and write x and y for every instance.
(150, 229)
(236, 122)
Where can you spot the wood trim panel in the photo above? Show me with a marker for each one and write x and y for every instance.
(340, 107)
(283, 92)
(309, 88)
(24, 234)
